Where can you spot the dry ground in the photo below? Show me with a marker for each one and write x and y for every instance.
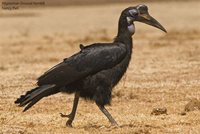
(164, 70)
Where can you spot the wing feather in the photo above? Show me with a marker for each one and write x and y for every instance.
(88, 61)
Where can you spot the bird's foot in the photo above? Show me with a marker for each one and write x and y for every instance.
(65, 115)
(114, 125)
(69, 123)
(70, 120)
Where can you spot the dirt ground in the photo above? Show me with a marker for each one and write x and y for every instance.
(164, 70)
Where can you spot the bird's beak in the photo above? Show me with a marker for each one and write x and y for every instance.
(146, 18)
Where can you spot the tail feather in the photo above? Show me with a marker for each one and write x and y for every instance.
(23, 97)
(34, 95)
(34, 101)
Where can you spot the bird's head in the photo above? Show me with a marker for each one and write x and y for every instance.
(140, 13)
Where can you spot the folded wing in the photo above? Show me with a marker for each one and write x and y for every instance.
(88, 61)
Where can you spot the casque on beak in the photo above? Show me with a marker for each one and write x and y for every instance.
(147, 19)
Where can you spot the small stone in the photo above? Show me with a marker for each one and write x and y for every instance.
(194, 104)
(159, 111)
(183, 113)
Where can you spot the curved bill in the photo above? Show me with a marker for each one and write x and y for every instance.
(147, 19)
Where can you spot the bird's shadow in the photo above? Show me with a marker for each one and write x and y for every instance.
(96, 126)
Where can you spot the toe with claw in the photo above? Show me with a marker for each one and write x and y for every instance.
(65, 115)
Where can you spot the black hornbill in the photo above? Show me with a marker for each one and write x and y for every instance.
(95, 70)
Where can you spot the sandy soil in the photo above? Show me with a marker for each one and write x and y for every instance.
(164, 70)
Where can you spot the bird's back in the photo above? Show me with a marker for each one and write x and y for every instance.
(88, 61)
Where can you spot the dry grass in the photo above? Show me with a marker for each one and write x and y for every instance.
(164, 71)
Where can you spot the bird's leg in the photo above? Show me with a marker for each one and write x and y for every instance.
(108, 115)
(73, 112)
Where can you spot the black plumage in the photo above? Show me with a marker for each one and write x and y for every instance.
(95, 70)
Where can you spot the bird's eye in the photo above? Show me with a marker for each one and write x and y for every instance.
(133, 12)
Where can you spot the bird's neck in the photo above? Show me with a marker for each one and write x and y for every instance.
(125, 32)
(124, 36)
